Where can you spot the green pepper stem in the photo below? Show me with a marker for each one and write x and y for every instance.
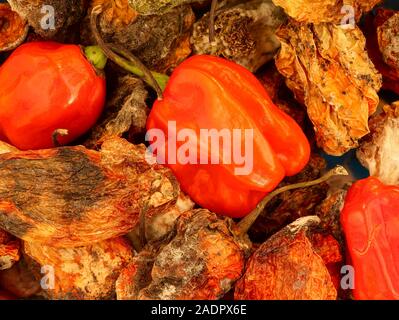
(126, 60)
(96, 56)
(245, 224)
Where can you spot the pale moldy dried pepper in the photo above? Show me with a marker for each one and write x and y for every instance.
(73, 196)
(83, 273)
(13, 28)
(377, 151)
(244, 33)
(160, 41)
(200, 259)
(41, 13)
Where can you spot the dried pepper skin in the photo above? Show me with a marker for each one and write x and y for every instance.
(329, 71)
(66, 14)
(125, 111)
(370, 222)
(244, 33)
(310, 11)
(20, 281)
(73, 196)
(377, 149)
(199, 260)
(13, 29)
(375, 27)
(83, 273)
(161, 42)
(9, 250)
(287, 267)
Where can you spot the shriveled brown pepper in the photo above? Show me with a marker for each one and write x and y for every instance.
(73, 196)
(161, 41)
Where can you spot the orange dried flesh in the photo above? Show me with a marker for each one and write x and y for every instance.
(287, 267)
(117, 12)
(9, 250)
(84, 273)
(329, 70)
(311, 11)
(13, 29)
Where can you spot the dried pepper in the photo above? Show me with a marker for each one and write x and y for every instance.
(377, 150)
(329, 71)
(161, 42)
(287, 267)
(244, 33)
(83, 273)
(9, 250)
(13, 29)
(335, 11)
(49, 18)
(72, 196)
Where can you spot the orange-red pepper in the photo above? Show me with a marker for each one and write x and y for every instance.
(207, 92)
(370, 219)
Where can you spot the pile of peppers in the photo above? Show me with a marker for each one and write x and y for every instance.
(46, 87)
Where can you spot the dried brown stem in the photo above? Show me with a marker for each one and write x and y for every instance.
(245, 224)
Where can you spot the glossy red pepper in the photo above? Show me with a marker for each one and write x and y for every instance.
(45, 86)
(370, 220)
(207, 92)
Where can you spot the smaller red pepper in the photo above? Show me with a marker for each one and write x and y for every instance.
(210, 93)
(46, 86)
(370, 220)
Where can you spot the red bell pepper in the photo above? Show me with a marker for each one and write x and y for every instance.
(45, 86)
(207, 92)
(370, 220)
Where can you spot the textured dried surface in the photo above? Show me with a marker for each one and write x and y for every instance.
(328, 69)
(372, 25)
(160, 41)
(329, 212)
(5, 147)
(13, 29)
(311, 11)
(20, 281)
(9, 250)
(199, 260)
(388, 39)
(163, 222)
(72, 196)
(126, 111)
(66, 13)
(379, 151)
(291, 205)
(244, 33)
(286, 267)
(146, 7)
(84, 273)
(328, 248)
